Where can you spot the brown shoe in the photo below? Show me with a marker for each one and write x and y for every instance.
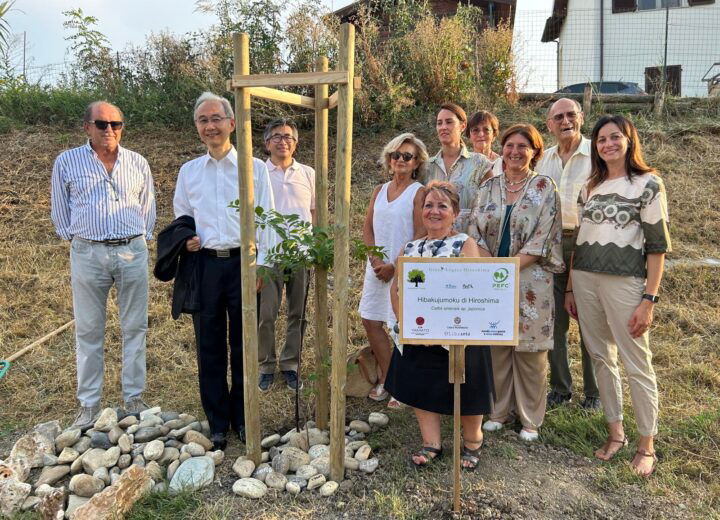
(604, 452)
(644, 454)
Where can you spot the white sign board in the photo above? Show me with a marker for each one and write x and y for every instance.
(459, 301)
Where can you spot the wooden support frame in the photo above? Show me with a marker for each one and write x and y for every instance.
(244, 86)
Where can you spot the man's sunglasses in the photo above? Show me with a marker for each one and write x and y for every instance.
(102, 125)
(407, 156)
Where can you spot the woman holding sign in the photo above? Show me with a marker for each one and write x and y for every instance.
(518, 214)
(616, 270)
(418, 375)
(393, 218)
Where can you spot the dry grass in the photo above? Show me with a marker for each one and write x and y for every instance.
(35, 298)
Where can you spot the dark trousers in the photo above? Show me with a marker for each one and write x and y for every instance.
(220, 304)
(560, 376)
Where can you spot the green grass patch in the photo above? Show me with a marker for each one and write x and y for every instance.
(164, 506)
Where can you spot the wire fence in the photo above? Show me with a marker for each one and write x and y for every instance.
(626, 42)
(626, 51)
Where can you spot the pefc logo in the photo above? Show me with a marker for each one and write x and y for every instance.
(500, 278)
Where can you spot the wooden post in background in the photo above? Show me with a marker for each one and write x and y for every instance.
(241, 56)
(587, 100)
(343, 163)
(322, 340)
(456, 376)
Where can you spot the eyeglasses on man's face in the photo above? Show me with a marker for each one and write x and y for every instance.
(277, 138)
(571, 116)
(102, 125)
(203, 121)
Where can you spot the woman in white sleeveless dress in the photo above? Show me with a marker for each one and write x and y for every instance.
(394, 217)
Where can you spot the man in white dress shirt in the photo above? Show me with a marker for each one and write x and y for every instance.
(568, 164)
(293, 186)
(205, 188)
(103, 201)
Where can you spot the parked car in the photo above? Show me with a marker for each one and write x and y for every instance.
(604, 87)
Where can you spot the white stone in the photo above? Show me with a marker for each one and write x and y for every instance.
(74, 502)
(193, 436)
(322, 464)
(265, 456)
(306, 471)
(12, 495)
(124, 443)
(318, 436)
(107, 420)
(269, 441)
(275, 480)
(328, 488)
(360, 426)
(96, 457)
(363, 452)
(369, 465)
(299, 440)
(30, 503)
(355, 445)
(67, 438)
(315, 481)
(44, 489)
(293, 488)
(82, 445)
(33, 447)
(319, 450)
(86, 485)
(154, 450)
(349, 452)
(351, 463)
(262, 471)
(184, 456)
(124, 461)
(154, 411)
(172, 468)
(115, 433)
(128, 421)
(194, 473)
(249, 488)
(19, 469)
(287, 435)
(194, 449)
(243, 467)
(103, 474)
(154, 470)
(217, 456)
(297, 457)
(378, 419)
(52, 474)
(50, 429)
(67, 456)
(281, 463)
(49, 459)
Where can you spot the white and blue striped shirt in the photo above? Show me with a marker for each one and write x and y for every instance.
(94, 205)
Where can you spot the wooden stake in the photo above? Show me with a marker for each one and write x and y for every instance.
(343, 163)
(456, 368)
(241, 54)
(587, 99)
(321, 212)
(35, 343)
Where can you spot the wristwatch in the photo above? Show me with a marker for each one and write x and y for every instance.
(651, 298)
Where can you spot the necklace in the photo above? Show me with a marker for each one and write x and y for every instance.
(515, 183)
(434, 246)
(521, 184)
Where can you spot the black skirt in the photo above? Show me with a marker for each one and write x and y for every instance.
(419, 378)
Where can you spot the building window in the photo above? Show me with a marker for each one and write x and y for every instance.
(624, 6)
(646, 5)
(673, 77)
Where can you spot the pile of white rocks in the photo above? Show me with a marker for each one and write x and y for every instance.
(100, 472)
(298, 461)
(76, 465)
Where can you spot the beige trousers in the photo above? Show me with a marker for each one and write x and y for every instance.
(520, 385)
(605, 303)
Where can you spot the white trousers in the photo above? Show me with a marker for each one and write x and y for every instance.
(94, 268)
(605, 304)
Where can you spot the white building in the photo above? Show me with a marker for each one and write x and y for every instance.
(625, 40)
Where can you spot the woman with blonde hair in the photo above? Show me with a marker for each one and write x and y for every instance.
(393, 217)
(620, 247)
(517, 214)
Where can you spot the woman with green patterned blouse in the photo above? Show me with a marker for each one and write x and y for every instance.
(621, 241)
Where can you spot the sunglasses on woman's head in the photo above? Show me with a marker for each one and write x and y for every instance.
(102, 125)
(407, 156)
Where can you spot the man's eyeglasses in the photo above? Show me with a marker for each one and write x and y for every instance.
(102, 125)
(276, 138)
(571, 116)
(214, 120)
(406, 156)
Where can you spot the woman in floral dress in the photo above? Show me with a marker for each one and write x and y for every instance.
(517, 214)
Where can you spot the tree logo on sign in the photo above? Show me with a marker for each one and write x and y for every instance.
(416, 276)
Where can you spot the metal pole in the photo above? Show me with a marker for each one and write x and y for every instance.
(664, 69)
(24, 55)
(602, 41)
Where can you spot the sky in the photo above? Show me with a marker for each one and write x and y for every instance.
(130, 21)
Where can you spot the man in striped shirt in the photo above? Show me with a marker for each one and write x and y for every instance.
(103, 201)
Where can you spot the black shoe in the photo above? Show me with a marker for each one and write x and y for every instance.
(265, 382)
(591, 403)
(219, 441)
(240, 430)
(556, 399)
(291, 378)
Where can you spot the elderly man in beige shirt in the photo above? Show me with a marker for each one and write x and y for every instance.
(568, 164)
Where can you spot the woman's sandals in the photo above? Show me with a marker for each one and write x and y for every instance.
(470, 458)
(605, 454)
(429, 453)
(643, 454)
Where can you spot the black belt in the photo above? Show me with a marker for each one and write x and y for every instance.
(116, 241)
(568, 232)
(221, 253)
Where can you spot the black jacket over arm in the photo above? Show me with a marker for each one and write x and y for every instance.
(175, 261)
